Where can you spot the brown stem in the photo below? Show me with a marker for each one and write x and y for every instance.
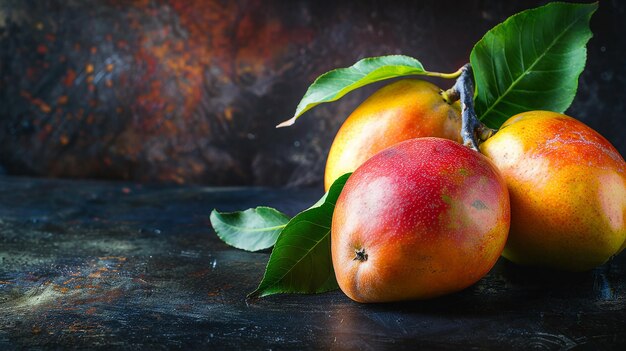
(360, 255)
(472, 129)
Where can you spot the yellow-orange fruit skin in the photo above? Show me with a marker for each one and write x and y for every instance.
(567, 186)
(431, 215)
(400, 111)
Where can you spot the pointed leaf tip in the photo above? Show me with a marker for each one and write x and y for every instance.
(286, 123)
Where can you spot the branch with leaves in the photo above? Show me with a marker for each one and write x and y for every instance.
(531, 61)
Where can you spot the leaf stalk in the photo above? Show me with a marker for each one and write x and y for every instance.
(452, 75)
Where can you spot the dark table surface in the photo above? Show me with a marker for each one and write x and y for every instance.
(101, 265)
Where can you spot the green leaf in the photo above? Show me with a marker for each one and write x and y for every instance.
(300, 261)
(531, 61)
(333, 85)
(252, 230)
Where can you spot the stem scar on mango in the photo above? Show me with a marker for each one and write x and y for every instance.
(360, 255)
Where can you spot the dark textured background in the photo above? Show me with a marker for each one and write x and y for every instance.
(189, 91)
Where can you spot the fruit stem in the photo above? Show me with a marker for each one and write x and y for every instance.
(360, 255)
(472, 129)
(452, 75)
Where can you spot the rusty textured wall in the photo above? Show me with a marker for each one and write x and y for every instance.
(190, 91)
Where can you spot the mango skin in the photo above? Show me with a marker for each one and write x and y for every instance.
(568, 191)
(403, 110)
(431, 215)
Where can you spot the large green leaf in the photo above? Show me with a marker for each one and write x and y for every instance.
(531, 61)
(300, 261)
(333, 85)
(252, 230)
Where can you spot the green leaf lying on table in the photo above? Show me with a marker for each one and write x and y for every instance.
(251, 230)
(531, 61)
(300, 261)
